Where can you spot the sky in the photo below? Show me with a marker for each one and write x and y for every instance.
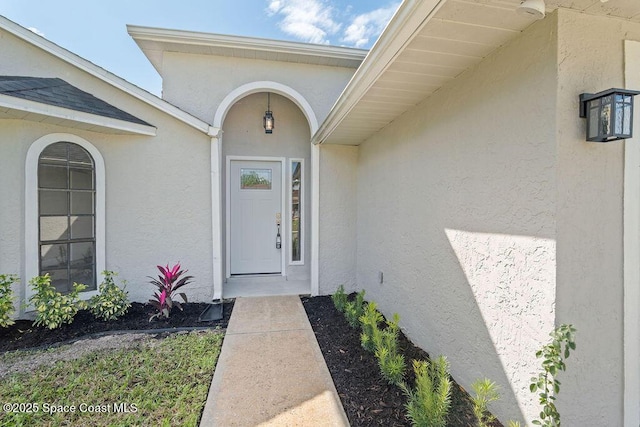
(96, 29)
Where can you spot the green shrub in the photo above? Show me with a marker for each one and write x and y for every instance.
(6, 299)
(390, 360)
(112, 301)
(553, 355)
(486, 392)
(54, 309)
(339, 299)
(370, 330)
(353, 310)
(430, 400)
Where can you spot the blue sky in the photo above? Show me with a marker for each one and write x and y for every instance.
(96, 30)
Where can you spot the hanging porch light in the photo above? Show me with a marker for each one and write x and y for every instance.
(268, 122)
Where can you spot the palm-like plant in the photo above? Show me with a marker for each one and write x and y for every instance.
(168, 282)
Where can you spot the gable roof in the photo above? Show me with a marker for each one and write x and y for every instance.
(427, 44)
(104, 75)
(54, 91)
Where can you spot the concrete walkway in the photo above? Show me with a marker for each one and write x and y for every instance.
(271, 371)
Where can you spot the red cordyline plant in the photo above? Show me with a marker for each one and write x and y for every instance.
(168, 283)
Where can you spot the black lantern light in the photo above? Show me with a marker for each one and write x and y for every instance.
(609, 114)
(268, 121)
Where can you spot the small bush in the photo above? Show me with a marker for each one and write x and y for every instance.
(553, 355)
(168, 283)
(390, 360)
(54, 309)
(486, 392)
(6, 299)
(370, 330)
(430, 400)
(112, 301)
(339, 299)
(353, 310)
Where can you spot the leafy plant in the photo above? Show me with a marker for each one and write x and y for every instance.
(353, 310)
(339, 299)
(168, 283)
(6, 299)
(486, 392)
(370, 330)
(54, 309)
(430, 400)
(553, 361)
(112, 301)
(390, 360)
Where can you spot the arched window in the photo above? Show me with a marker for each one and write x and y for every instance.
(66, 210)
(65, 205)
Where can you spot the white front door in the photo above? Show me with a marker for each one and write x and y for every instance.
(255, 197)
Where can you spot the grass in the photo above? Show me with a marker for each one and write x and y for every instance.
(165, 384)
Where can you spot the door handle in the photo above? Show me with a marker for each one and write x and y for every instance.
(278, 239)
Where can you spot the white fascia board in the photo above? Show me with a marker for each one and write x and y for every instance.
(47, 110)
(102, 74)
(409, 19)
(164, 35)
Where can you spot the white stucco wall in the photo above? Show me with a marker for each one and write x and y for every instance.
(158, 199)
(456, 206)
(338, 209)
(590, 222)
(198, 83)
(244, 135)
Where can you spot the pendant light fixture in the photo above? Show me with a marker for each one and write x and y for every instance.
(268, 121)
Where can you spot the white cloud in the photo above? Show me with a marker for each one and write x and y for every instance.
(308, 20)
(368, 25)
(35, 30)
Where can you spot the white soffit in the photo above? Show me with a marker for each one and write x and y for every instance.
(155, 41)
(427, 44)
(21, 109)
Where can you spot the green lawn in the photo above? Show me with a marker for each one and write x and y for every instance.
(161, 385)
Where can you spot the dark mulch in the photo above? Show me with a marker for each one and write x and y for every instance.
(23, 335)
(366, 397)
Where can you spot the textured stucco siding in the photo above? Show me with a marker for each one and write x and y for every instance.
(199, 83)
(338, 208)
(158, 189)
(456, 206)
(245, 136)
(590, 222)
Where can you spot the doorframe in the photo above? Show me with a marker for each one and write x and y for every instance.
(283, 176)
(631, 268)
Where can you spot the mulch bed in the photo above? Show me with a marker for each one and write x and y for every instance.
(23, 335)
(366, 397)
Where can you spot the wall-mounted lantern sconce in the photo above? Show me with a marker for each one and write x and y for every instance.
(268, 121)
(609, 114)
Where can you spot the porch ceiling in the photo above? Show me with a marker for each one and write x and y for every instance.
(426, 45)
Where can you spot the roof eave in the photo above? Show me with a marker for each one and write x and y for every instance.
(410, 17)
(37, 111)
(102, 74)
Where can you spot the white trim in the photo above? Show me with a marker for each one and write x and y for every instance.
(284, 231)
(632, 249)
(102, 74)
(315, 219)
(250, 44)
(65, 114)
(32, 254)
(265, 86)
(303, 221)
(216, 216)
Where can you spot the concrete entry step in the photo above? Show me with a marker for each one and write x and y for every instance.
(271, 371)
